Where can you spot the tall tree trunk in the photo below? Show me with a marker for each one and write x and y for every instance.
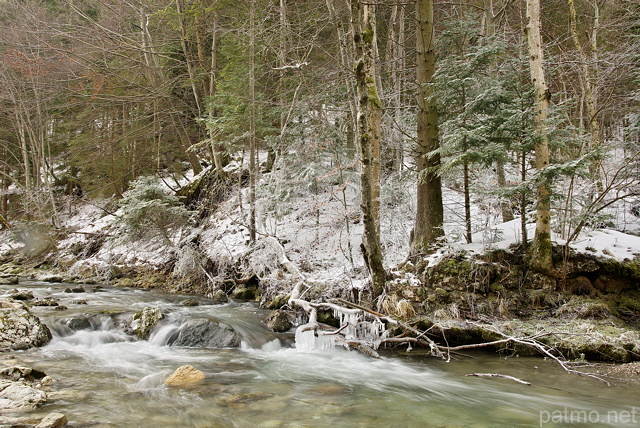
(428, 227)
(347, 58)
(589, 82)
(490, 32)
(217, 149)
(369, 126)
(187, 56)
(540, 251)
(253, 167)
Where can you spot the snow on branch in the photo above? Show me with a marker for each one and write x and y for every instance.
(296, 66)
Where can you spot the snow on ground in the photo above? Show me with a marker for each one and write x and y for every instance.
(608, 243)
(321, 233)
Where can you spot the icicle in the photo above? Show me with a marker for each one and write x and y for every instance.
(325, 342)
(305, 340)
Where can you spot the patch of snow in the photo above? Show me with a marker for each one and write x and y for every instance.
(609, 244)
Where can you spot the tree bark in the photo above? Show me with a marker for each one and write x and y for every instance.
(540, 251)
(589, 82)
(429, 221)
(253, 167)
(369, 125)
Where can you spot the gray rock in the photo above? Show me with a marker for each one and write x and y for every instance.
(49, 277)
(17, 373)
(9, 280)
(144, 321)
(279, 321)
(190, 302)
(53, 420)
(20, 295)
(48, 301)
(19, 395)
(219, 297)
(19, 329)
(204, 333)
(79, 323)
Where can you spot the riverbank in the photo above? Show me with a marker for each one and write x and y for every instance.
(588, 309)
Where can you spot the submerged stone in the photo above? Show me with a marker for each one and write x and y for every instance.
(247, 398)
(53, 420)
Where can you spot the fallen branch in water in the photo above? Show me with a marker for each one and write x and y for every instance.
(501, 376)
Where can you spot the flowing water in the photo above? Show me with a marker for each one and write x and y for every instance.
(104, 377)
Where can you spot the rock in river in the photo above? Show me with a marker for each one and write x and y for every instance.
(144, 321)
(19, 329)
(20, 395)
(204, 333)
(185, 375)
(53, 420)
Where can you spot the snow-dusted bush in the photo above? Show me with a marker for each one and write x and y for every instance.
(147, 211)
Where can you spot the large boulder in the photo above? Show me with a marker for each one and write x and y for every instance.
(20, 395)
(19, 329)
(185, 376)
(204, 333)
(144, 321)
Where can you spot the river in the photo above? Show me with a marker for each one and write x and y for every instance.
(106, 378)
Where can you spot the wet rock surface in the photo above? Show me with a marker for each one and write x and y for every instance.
(204, 333)
(185, 376)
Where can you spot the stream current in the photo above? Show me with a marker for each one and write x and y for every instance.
(106, 378)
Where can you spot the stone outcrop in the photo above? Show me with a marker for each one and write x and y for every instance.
(19, 329)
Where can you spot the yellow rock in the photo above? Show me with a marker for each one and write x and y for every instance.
(185, 375)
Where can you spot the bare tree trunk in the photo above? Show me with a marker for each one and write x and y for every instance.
(429, 208)
(369, 126)
(187, 56)
(253, 167)
(347, 54)
(540, 250)
(589, 82)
